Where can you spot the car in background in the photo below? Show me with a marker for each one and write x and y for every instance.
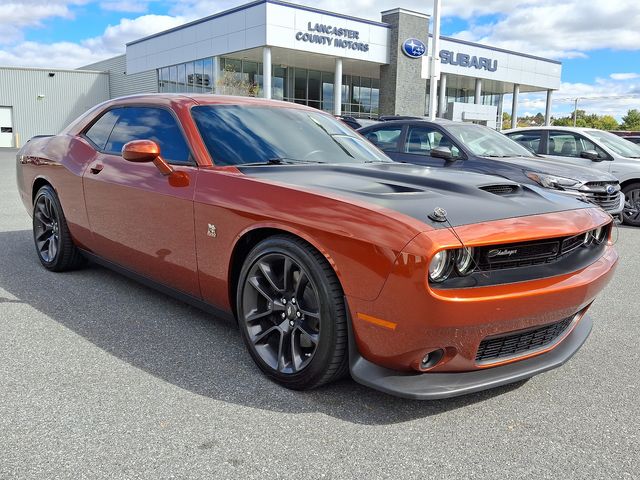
(476, 148)
(356, 122)
(633, 139)
(589, 147)
(332, 258)
(361, 122)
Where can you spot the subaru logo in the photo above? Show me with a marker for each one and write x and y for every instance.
(414, 48)
(611, 189)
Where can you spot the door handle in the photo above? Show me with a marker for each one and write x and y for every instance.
(96, 169)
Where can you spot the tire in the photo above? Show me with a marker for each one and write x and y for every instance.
(54, 245)
(632, 198)
(291, 313)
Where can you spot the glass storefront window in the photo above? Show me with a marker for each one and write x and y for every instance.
(182, 78)
(360, 95)
(327, 91)
(207, 75)
(173, 79)
(278, 83)
(300, 86)
(314, 89)
(191, 81)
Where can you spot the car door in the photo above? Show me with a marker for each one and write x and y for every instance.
(420, 140)
(568, 147)
(532, 140)
(386, 138)
(137, 218)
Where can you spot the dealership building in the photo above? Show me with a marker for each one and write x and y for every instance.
(273, 49)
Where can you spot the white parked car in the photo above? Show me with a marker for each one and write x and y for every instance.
(593, 148)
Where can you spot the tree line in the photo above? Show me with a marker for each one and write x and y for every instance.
(630, 122)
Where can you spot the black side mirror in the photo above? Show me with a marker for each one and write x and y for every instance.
(591, 155)
(442, 152)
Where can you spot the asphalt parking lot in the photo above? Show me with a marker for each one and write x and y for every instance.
(101, 377)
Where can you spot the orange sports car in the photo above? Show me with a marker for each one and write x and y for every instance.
(333, 259)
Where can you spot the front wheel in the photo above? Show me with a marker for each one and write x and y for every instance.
(631, 213)
(51, 236)
(291, 313)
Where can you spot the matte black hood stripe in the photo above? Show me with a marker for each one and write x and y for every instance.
(415, 191)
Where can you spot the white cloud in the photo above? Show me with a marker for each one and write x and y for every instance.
(604, 97)
(15, 15)
(125, 6)
(624, 76)
(73, 55)
(565, 29)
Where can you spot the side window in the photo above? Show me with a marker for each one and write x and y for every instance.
(385, 138)
(100, 131)
(563, 144)
(529, 140)
(148, 123)
(421, 140)
(567, 144)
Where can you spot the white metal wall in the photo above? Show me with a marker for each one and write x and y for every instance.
(121, 83)
(43, 104)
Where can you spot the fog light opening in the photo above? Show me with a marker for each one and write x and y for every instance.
(431, 359)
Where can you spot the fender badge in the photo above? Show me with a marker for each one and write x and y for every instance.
(211, 230)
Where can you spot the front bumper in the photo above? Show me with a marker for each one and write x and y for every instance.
(432, 386)
(410, 319)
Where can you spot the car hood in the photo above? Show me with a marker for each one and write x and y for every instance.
(416, 191)
(557, 166)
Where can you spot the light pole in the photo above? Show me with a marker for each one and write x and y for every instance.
(575, 111)
(433, 70)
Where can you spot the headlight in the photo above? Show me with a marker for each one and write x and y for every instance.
(464, 261)
(439, 268)
(551, 181)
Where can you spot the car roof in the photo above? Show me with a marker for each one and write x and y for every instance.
(552, 127)
(437, 121)
(203, 99)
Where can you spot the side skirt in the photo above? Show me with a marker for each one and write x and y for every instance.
(172, 292)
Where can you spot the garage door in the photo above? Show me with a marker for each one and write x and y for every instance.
(6, 127)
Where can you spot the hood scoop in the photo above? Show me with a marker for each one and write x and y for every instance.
(501, 189)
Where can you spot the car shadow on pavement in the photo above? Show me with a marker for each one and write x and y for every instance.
(186, 346)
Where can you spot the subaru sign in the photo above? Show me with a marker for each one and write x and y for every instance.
(468, 61)
(414, 48)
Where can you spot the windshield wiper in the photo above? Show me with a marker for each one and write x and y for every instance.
(497, 156)
(278, 161)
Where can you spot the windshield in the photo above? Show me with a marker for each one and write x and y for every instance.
(239, 134)
(485, 142)
(617, 144)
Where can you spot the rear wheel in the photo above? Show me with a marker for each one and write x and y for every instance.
(631, 213)
(291, 313)
(53, 242)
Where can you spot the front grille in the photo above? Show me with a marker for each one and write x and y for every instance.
(519, 343)
(500, 189)
(604, 200)
(518, 254)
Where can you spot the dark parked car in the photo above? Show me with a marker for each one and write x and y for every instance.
(475, 148)
(356, 123)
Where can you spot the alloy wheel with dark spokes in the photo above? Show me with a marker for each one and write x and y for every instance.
(631, 211)
(281, 311)
(46, 229)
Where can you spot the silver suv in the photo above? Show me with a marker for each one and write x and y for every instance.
(593, 148)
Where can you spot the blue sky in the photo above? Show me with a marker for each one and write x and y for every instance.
(597, 42)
